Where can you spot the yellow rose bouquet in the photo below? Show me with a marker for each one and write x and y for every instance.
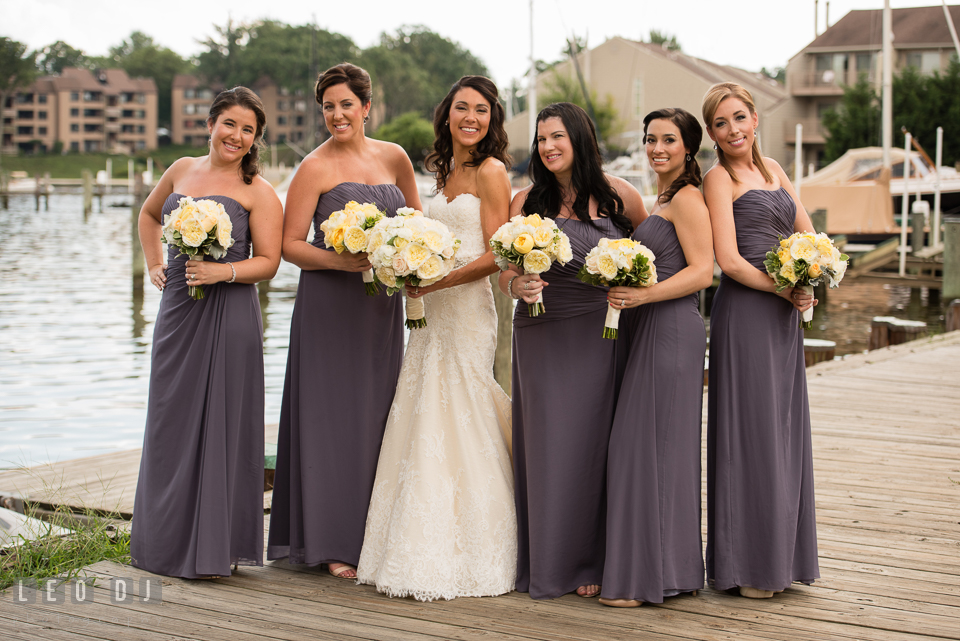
(349, 229)
(803, 260)
(198, 228)
(623, 262)
(411, 248)
(533, 244)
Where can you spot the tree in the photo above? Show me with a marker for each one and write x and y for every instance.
(921, 103)
(777, 73)
(412, 132)
(54, 58)
(855, 122)
(17, 70)
(414, 68)
(665, 40)
(242, 54)
(563, 88)
(141, 57)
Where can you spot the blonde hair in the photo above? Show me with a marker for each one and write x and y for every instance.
(711, 102)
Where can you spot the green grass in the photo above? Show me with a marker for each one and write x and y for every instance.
(94, 538)
(71, 165)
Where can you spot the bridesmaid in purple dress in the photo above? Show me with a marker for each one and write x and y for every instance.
(199, 501)
(564, 371)
(653, 469)
(761, 526)
(345, 347)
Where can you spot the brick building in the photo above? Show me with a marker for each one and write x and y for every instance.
(84, 111)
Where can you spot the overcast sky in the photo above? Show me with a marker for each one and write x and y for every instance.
(745, 33)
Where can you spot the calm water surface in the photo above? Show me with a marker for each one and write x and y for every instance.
(75, 337)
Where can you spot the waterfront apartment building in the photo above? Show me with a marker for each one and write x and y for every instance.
(641, 77)
(287, 112)
(817, 74)
(82, 111)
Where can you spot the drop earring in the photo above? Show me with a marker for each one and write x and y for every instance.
(714, 146)
(447, 122)
(688, 157)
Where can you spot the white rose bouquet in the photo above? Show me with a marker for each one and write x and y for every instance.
(533, 244)
(411, 248)
(349, 229)
(803, 260)
(618, 262)
(198, 228)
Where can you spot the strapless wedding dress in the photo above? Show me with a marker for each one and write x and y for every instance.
(442, 520)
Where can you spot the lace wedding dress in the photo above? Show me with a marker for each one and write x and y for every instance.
(442, 520)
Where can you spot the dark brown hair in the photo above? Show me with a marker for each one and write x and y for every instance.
(588, 179)
(692, 135)
(356, 78)
(243, 97)
(494, 144)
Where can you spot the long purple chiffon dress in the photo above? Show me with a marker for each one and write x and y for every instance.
(199, 502)
(342, 367)
(654, 549)
(761, 526)
(564, 385)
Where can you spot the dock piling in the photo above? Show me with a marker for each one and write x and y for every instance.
(951, 258)
(87, 179)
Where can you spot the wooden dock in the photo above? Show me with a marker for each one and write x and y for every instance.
(886, 438)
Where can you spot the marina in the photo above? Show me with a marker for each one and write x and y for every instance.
(886, 441)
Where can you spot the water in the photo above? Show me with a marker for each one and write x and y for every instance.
(75, 337)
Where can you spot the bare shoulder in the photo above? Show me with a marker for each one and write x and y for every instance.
(621, 186)
(521, 197)
(776, 169)
(389, 152)
(717, 178)
(491, 167)
(688, 196)
(263, 191)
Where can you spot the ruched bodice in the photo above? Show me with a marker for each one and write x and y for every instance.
(387, 197)
(660, 236)
(760, 216)
(566, 295)
(239, 217)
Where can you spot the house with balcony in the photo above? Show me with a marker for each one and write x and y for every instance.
(850, 48)
(287, 112)
(641, 77)
(84, 111)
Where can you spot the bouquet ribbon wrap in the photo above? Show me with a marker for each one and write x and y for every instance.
(612, 323)
(416, 316)
(806, 315)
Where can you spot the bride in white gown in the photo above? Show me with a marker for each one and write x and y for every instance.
(442, 519)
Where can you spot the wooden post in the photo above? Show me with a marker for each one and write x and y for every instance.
(816, 351)
(502, 366)
(819, 219)
(37, 189)
(87, 191)
(952, 316)
(916, 231)
(137, 250)
(4, 190)
(951, 258)
(46, 191)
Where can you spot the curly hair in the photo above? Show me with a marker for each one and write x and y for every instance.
(494, 144)
(243, 97)
(588, 180)
(711, 102)
(692, 135)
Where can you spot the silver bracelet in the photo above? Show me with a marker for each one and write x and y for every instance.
(234, 277)
(510, 287)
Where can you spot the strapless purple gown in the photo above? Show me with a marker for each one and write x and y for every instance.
(761, 525)
(564, 382)
(343, 363)
(654, 549)
(199, 502)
